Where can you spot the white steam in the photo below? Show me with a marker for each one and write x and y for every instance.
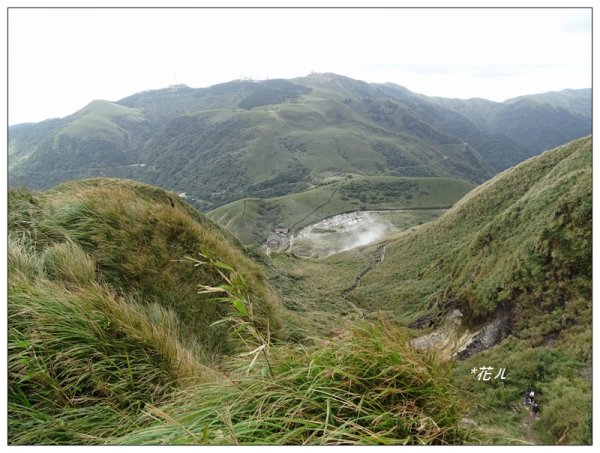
(366, 235)
(341, 233)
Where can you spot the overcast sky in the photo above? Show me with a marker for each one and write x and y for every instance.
(61, 59)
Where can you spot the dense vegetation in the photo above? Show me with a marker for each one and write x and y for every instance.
(508, 132)
(521, 244)
(369, 389)
(517, 234)
(102, 308)
(271, 138)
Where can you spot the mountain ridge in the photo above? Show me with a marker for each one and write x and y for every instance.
(271, 138)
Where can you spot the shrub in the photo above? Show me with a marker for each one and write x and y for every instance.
(565, 417)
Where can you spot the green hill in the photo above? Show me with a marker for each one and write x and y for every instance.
(537, 122)
(509, 214)
(514, 256)
(104, 311)
(102, 139)
(575, 101)
(252, 220)
(110, 342)
(263, 139)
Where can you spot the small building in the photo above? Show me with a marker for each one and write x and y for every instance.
(273, 242)
(281, 231)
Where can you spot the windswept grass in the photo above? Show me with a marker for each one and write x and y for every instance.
(137, 237)
(103, 312)
(74, 345)
(368, 388)
(87, 366)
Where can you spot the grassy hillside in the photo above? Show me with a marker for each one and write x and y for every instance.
(111, 343)
(104, 312)
(220, 155)
(368, 388)
(101, 139)
(513, 213)
(264, 139)
(537, 122)
(26, 138)
(466, 120)
(576, 101)
(252, 220)
(518, 244)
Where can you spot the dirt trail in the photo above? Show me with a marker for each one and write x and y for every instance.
(293, 229)
(431, 164)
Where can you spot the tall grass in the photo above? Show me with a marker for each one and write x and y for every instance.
(135, 235)
(369, 388)
(73, 347)
(102, 315)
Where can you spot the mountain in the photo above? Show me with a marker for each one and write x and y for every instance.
(133, 319)
(506, 133)
(537, 214)
(275, 137)
(575, 101)
(538, 122)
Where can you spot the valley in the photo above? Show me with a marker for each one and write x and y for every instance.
(458, 327)
(252, 220)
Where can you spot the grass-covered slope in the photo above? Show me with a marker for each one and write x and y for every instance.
(252, 220)
(275, 137)
(519, 245)
(525, 235)
(101, 139)
(104, 314)
(368, 387)
(536, 122)
(220, 155)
